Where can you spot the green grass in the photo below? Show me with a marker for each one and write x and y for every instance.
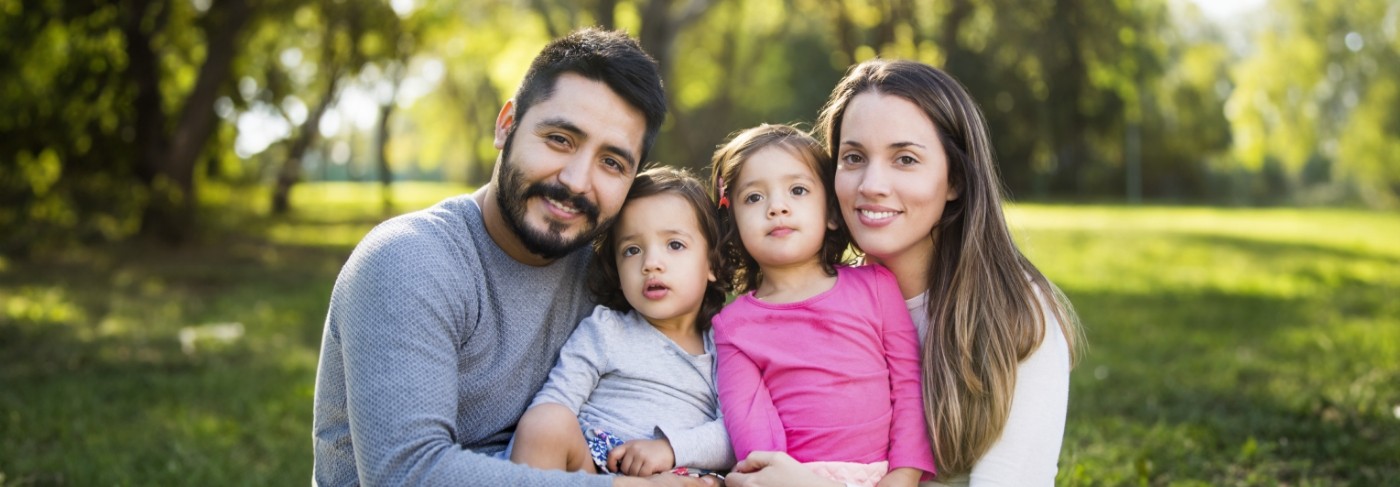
(1227, 347)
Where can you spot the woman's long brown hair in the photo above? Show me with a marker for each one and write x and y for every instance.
(987, 303)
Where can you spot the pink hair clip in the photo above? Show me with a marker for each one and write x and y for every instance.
(723, 195)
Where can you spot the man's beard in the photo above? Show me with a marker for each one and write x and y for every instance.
(549, 243)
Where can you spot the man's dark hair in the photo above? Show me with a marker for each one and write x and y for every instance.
(610, 57)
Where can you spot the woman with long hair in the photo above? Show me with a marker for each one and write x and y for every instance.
(919, 191)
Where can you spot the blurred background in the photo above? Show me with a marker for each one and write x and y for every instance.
(1212, 182)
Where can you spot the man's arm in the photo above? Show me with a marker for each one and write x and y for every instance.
(396, 309)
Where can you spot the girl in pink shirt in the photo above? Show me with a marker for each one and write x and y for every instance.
(816, 359)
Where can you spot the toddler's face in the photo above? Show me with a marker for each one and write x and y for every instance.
(662, 258)
(780, 207)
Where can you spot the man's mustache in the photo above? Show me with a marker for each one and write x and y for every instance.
(558, 193)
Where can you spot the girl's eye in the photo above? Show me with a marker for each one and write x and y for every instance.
(753, 198)
(800, 190)
(631, 250)
(676, 245)
(907, 160)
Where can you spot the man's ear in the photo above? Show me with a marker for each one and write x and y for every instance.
(504, 121)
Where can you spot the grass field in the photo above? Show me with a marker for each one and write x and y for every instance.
(1227, 346)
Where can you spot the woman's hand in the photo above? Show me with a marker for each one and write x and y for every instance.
(640, 458)
(774, 469)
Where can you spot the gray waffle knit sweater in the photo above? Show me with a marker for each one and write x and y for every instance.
(435, 343)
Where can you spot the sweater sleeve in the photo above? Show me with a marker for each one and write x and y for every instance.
(749, 414)
(1029, 448)
(394, 312)
(909, 438)
(582, 361)
(705, 446)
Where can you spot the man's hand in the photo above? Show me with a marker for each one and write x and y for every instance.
(641, 458)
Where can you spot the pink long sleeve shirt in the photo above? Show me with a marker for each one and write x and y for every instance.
(831, 378)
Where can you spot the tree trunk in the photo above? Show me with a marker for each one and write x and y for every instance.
(1066, 83)
(290, 174)
(660, 26)
(168, 159)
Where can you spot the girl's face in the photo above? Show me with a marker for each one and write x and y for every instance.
(662, 259)
(780, 208)
(891, 177)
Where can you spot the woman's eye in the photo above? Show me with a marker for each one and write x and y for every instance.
(852, 159)
(676, 245)
(907, 160)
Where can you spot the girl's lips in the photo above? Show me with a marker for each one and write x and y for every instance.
(780, 232)
(654, 289)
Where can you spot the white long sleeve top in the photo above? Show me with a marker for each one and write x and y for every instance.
(1028, 452)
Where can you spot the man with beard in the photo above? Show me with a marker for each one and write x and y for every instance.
(445, 322)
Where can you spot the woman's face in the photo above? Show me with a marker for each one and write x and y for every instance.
(891, 177)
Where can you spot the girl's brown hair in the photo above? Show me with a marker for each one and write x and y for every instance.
(985, 309)
(725, 166)
(603, 279)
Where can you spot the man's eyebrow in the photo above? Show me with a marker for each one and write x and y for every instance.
(628, 158)
(562, 124)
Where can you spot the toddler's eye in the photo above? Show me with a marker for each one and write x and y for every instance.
(631, 250)
(800, 190)
(753, 198)
(676, 245)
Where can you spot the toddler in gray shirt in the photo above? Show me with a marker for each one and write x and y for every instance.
(634, 389)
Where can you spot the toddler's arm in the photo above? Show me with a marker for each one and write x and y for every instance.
(582, 361)
(705, 446)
